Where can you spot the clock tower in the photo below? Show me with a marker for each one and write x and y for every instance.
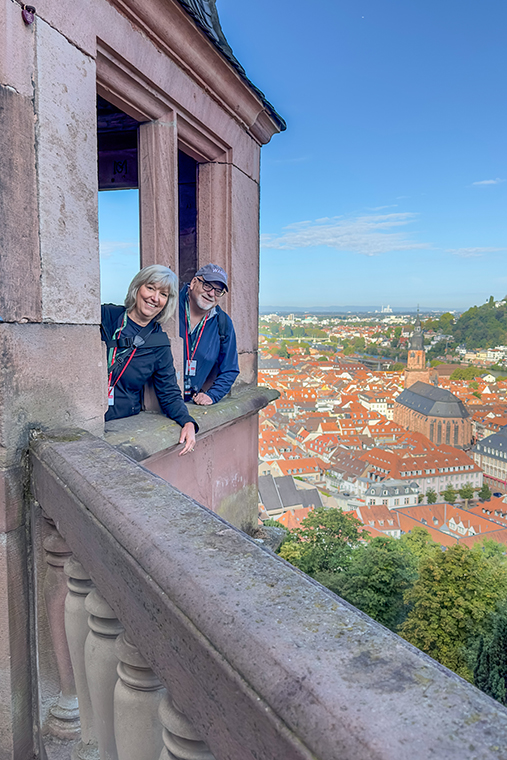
(416, 364)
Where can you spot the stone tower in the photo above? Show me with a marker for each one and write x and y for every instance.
(416, 363)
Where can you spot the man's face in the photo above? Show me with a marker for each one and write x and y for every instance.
(203, 293)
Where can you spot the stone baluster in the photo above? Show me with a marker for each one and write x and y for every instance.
(100, 664)
(137, 697)
(64, 715)
(180, 739)
(76, 628)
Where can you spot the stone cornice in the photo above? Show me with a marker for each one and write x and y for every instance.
(177, 35)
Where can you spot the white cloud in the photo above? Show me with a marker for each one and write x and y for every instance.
(368, 235)
(109, 248)
(469, 253)
(496, 181)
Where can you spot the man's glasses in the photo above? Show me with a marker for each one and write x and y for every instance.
(208, 287)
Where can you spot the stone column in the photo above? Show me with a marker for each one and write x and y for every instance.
(100, 665)
(180, 739)
(137, 697)
(76, 628)
(158, 209)
(214, 220)
(64, 715)
(228, 221)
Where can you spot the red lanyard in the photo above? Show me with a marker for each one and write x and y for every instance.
(121, 373)
(109, 386)
(191, 356)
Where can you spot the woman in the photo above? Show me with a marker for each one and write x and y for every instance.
(139, 350)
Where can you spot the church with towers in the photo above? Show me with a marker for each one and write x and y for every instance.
(424, 407)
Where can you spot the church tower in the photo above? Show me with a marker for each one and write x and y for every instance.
(416, 364)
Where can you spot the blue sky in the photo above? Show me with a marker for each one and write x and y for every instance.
(390, 183)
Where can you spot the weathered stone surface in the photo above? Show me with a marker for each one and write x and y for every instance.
(16, 53)
(20, 293)
(244, 273)
(11, 497)
(146, 435)
(214, 217)
(222, 471)
(50, 375)
(158, 187)
(15, 689)
(263, 661)
(67, 180)
(247, 370)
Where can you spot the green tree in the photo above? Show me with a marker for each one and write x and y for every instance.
(419, 542)
(482, 326)
(466, 492)
(282, 351)
(490, 672)
(485, 492)
(398, 367)
(420, 498)
(324, 542)
(492, 549)
(465, 373)
(452, 599)
(449, 494)
(431, 496)
(473, 385)
(446, 322)
(376, 579)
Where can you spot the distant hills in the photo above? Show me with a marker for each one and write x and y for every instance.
(347, 309)
(482, 326)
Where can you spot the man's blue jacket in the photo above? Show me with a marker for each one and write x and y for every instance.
(216, 354)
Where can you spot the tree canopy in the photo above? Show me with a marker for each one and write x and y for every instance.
(431, 496)
(466, 491)
(449, 494)
(324, 542)
(378, 575)
(482, 326)
(452, 598)
(485, 492)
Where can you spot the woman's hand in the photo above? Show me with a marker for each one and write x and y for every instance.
(188, 438)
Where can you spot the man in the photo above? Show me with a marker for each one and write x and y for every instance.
(210, 355)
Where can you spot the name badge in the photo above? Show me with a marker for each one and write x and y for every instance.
(110, 397)
(191, 367)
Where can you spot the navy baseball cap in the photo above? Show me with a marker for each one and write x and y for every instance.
(213, 273)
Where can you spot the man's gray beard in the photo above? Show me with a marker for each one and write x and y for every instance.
(204, 305)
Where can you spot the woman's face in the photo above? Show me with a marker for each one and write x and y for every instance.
(150, 300)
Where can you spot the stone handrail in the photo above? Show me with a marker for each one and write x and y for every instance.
(263, 661)
(148, 433)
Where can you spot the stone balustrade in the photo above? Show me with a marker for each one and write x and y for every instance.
(199, 643)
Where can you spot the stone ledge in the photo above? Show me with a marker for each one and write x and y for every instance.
(264, 661)
(150, 433)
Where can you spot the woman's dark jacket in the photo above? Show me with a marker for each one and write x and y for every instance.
(155, 363)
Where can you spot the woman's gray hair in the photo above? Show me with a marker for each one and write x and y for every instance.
(149, 276)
